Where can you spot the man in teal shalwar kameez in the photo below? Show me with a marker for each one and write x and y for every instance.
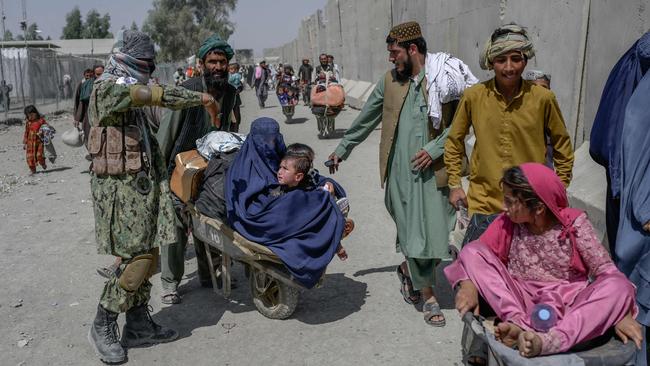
(411, 166)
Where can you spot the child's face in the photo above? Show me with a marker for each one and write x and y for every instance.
(32, 116)
(232, 69)
(287, 174)
(515, 209)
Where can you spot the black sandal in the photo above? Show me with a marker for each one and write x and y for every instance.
(410, 295)
(430, 310)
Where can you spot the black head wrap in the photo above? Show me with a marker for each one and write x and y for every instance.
(137, 44)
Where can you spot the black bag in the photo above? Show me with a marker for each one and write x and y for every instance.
(212, 201)
(477, 226)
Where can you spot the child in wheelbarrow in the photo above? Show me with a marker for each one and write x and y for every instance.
(296, 172)
(543, 271)
(299, 224)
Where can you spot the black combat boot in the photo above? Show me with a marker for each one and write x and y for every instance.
(140, 330)
(104, 337)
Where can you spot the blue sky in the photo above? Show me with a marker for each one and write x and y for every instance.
(259, 23)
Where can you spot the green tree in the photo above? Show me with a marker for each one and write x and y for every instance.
(97, 26)
(180, 26)
(8, 36)
(74, 27)
(134, 27)
(32, 34)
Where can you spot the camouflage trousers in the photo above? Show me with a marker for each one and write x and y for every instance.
(118, 300)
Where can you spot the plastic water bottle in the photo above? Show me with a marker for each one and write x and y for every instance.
(543, 317)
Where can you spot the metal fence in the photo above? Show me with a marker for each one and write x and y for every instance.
(43, 76)
(165, 72)
(40, 76)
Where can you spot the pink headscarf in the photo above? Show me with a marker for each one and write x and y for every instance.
(551, 191)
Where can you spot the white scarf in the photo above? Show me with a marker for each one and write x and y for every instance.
(447, 79)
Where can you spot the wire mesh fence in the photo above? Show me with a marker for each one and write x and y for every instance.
(40, 76)
(43, 76)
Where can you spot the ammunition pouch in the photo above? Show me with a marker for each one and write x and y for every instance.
(115, 150)
(139, 269)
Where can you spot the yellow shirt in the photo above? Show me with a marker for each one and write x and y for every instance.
(507, 134)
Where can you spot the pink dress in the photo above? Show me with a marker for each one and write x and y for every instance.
(538, 271)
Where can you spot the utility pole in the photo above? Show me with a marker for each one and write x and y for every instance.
(2, 66)
(23, 25)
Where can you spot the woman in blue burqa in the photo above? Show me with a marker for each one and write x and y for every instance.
(303, 227)
(632, 253)
(620, 140)
(606, 132)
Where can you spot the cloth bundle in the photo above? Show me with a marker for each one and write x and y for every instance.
(447, 79)
(217, 142)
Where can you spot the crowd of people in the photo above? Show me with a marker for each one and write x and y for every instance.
(265, 77)
(524, 247)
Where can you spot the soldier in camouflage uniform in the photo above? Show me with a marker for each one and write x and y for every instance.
(133, 212)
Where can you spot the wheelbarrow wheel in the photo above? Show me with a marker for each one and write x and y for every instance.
(272, 298)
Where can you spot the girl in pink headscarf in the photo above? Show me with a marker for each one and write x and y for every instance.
(540, 251)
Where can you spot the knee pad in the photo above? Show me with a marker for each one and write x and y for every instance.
(139, 269)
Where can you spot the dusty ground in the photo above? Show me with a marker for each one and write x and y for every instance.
(50, 288)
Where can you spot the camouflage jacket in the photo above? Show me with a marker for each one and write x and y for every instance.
(128, 223)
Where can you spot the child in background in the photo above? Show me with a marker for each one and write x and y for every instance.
(235, 79)
(32, 143)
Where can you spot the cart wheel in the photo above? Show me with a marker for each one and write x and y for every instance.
(272, 298)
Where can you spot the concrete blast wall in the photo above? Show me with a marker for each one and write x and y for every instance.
(577, 41)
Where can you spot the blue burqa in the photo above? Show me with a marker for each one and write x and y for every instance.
(605, 140)
(633, 249)
(302, 226)
(604, 143)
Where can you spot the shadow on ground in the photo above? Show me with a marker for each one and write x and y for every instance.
(442, 290)
(337, 134)
(368, 271)
(58, 169)
(296, 121)
(202, 307)
(338, 298)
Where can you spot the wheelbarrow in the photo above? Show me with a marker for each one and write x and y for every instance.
(603, 351)
(274, 290)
